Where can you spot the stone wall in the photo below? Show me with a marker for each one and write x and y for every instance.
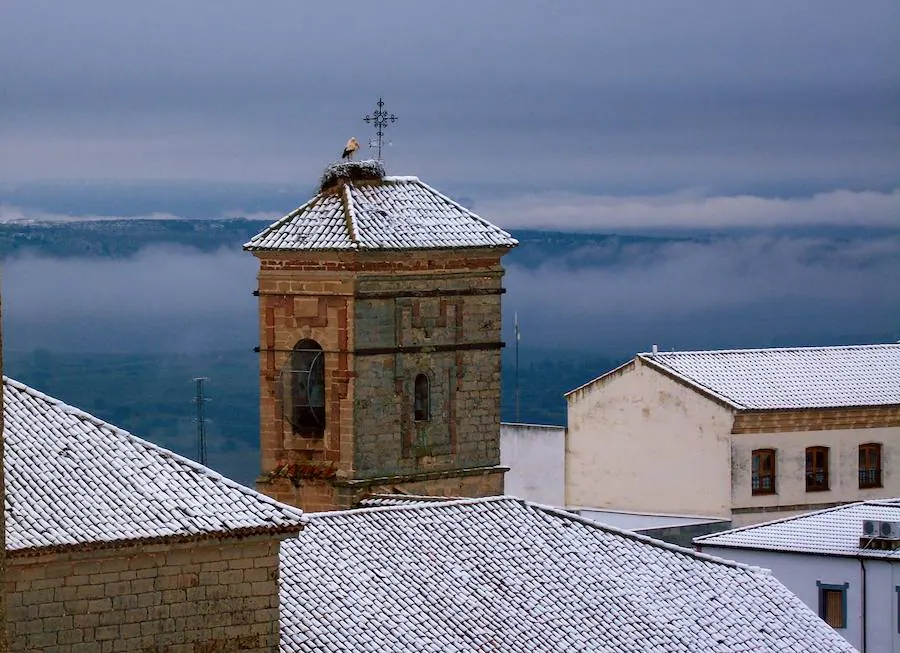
(3, 643)
(382, 318)
(818, 419)
(198, 597)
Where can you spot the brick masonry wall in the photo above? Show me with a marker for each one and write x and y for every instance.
(382, 318)
(3, 643)
(822, 419)
(200, 597)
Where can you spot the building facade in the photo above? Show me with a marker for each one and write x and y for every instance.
(379, 304)
(115, 544)
(535, 455)
(850, 579)
(742, 435)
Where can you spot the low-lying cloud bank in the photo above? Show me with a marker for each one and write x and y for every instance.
(691, 210)
(688, 209)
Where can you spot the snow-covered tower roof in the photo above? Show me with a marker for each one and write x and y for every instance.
(359, 208)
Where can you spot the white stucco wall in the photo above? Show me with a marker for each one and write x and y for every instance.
(535, 455)
(639, 441)
(790, 469)
(800, 572)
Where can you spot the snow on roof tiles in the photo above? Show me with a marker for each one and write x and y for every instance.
(504, 574)
(397, 213)
(73, 480)
(798, 377)
(834, 531)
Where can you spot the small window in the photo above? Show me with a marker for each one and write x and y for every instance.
(869, 465)
(833, 604)
(816, 469)
(303, 385)
(422, 399)
(763, 475)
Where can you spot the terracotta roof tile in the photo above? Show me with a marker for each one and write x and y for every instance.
(397, 213)
(503, 574)
(74, 480)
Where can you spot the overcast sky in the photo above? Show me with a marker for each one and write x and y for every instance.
(599, 97)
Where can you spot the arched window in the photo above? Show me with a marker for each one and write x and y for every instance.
(870, 465)
(763, 471)
(816, 469)
(422, 399)
(303, 388)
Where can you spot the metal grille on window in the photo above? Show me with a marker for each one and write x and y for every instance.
(869, 465)
(302, 383)
(816, 468)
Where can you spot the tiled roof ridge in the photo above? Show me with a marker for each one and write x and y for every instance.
(644, 539)
(146, 444)
(557, 512)
(782, 520)
(348, 205)
(287, 218)
(471, 214)
(757, 350)
(665, 369)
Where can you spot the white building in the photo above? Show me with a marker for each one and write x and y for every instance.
(536, 456)
(739, 435)
(850, 579)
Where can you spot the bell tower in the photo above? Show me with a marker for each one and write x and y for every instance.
(379, 308)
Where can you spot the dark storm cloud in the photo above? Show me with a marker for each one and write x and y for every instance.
(645, 96)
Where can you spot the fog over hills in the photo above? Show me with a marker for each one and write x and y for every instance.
(117, 315)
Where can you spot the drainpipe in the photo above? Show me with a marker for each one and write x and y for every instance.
(862, 566)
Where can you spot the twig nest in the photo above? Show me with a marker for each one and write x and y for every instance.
(350, 171)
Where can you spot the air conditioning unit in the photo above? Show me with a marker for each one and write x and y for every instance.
(871, 527)
(889, 530)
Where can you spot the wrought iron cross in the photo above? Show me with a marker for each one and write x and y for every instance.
(381, 119)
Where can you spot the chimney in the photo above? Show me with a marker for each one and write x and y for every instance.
(655, 349)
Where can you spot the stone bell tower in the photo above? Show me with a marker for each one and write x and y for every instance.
(379, 308)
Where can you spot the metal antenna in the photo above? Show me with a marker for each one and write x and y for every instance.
(381, 119)
(199, 399)
(518, 337)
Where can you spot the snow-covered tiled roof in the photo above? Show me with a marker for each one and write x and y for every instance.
(501, 574)
(73, 480)
(834, 531)
(381, 500)
(395, 213)
(798, 377)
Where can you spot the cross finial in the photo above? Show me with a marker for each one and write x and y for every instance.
(381, 119)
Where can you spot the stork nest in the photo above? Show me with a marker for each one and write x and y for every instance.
(350, 171)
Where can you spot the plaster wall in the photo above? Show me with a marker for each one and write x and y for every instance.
(638, 440)
(536, 457)
(790, 466)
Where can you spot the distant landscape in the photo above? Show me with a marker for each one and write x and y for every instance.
(117, 315)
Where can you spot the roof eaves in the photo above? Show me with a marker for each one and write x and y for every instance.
(644, 539)
(145, 444)
(782, 520)
(249, 246)
(97, 545)
(512, 241)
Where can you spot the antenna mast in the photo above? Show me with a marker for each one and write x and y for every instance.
(200, 400)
